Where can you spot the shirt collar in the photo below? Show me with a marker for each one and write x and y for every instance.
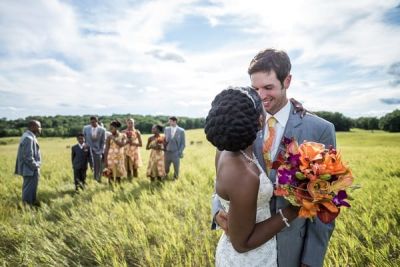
(32, 134)
(282, 116)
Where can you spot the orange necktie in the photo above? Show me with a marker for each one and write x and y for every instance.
(268, 143)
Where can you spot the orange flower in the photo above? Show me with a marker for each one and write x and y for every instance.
(279, 191)
(319, 189)
(342, 182)
(333, 164)
(309, 152)
(293, 147)
(308, 209)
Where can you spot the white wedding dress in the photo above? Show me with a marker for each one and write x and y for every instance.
(264, 255)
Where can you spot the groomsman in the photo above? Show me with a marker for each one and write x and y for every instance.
(175, 144)
(95, 139)
(80, 155)
(28, 162)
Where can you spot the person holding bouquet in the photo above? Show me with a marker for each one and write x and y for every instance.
(305, 242)
(114, 155)
(133, 160)
(156, 145)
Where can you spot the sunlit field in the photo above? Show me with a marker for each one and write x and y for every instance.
(168, 223)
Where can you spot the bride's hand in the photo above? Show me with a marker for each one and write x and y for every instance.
(222, 220)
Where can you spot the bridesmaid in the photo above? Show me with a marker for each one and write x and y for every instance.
(155, 143)
(133, 160)
(114, 155)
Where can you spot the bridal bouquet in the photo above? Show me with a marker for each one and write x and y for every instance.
(314, 178)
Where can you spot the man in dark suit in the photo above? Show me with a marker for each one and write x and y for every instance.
(80, 155)
(28, 162)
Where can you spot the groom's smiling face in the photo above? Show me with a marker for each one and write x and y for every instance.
(270, 89)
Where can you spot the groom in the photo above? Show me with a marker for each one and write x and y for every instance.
(304, 243)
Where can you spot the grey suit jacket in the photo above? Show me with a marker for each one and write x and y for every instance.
(96, 145)
(28, 157)
(177, 142)
(305, 241)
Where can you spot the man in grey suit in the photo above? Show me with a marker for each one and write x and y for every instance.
(29, 161)
(305, 242)
(95, 139)
(175, 144)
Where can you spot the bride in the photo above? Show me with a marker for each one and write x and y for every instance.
(242, 186)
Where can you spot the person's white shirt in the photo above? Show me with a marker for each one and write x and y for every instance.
(94, 131)
(173, 131)
(282, 117)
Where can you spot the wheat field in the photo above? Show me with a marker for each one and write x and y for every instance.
(168, 223)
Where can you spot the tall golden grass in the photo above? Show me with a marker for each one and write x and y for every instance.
(168, 223)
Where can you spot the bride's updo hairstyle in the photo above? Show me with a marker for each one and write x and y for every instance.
(233, 120)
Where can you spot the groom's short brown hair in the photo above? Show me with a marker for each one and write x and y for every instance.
(271, 59)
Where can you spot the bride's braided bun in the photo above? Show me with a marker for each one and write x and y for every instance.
(233, 120)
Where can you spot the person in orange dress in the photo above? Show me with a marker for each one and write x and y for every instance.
(156, 143)
(114, 154)
(133, 160)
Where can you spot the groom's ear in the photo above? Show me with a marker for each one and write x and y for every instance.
(286, 82)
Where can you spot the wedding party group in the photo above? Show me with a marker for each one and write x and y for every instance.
(112, 153)
(274, 199)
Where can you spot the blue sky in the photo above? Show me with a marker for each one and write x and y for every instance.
(172, 57)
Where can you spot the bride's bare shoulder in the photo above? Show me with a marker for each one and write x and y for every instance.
(234, 172)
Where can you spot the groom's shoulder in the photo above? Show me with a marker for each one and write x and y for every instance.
(316, 121)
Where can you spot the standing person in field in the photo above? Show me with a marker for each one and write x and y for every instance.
(155, 143)
(175, 144)
(95, 138)
(114, 155)
(29, 161)
(133, 159)
(305, 242)
(80, 156)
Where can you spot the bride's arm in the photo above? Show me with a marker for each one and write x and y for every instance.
(243, 231)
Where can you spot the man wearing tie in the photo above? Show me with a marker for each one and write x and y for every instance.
(95, 140)
(306, 241)
(29, 161)
(175, 144)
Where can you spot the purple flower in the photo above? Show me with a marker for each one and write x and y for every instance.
(285, 175)
(294, 159)
(338, 200)
(286, 140)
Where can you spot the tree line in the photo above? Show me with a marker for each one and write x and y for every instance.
(68, 126)
(389, 122)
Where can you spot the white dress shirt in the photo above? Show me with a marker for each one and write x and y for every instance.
(94, 132)
(281, 117)
(173, 131)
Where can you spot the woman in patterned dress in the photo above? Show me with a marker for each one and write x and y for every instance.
(133, 160)
(114, 155)
(156, 143)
